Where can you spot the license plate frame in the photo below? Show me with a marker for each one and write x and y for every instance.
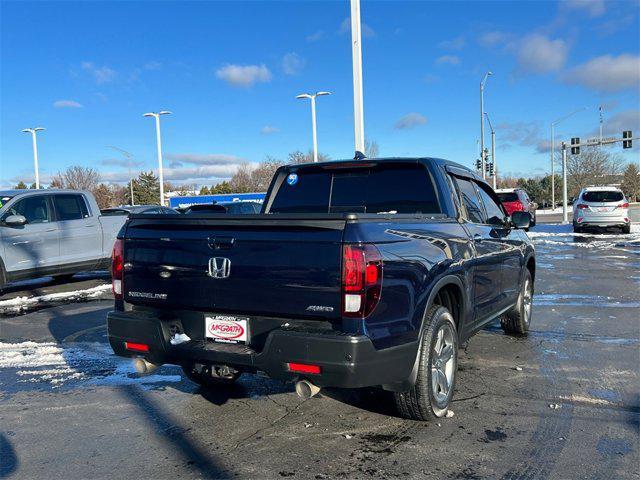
(226, 328)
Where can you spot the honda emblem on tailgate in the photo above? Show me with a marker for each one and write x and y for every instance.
(219, 267)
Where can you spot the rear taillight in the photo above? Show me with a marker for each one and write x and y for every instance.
(361, 280)
(117, 268)
(582, 206)
(518, 207)
(623, 205)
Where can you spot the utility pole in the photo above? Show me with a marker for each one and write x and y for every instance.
(482, 152)
(159, 145)
(565, 216)
(494, 172)
(128, 156)
(312, 97)
(33, 131)
(356, 50)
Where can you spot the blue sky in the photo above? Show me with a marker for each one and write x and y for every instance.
(230, 71)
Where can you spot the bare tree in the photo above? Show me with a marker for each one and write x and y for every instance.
(77, 178)
(103, 195)
(371, 148)
(593, 166)
(241, 181)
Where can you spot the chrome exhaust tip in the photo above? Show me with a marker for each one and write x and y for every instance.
(143, 367)
(305, 389)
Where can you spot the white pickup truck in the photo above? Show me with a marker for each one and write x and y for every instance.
(53, 233)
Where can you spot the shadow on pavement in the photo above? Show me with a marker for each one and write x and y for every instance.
(8, 458)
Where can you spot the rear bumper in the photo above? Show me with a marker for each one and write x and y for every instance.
(346, 361)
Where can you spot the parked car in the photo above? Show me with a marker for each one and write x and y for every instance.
(233, 208)
(53, 232)
(517, 200)
(601, 207)
(367, 273)
(145, 209)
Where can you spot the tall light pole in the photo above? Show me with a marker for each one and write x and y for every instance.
(482, 155)
(356, 51)
(33, 131)
(159, 142)
(493, 151)
(553, 151)
(312, 97)
(128, 156)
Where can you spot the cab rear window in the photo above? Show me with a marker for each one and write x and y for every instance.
(508, 197)
(603, 196)
(400, 188)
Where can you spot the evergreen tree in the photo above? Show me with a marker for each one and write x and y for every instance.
(205, 191)
(146, 189)
(21, 185)
(631, 182)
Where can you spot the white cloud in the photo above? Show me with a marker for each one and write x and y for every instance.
(152, 66)
(67, 104)
(244, 76)
(101, 75)
(593, 8)
(410, 120)
(494, 38)
(205, 159)
(121, 162)
(448, 60)
(539, 54)
(626, 120)
(367, 31)
(607, 73)
(454, 44)
(292, 63)
(316, 36)
(269, 129)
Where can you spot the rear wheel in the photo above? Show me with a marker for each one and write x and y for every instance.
(576, 228)
(206, 379)
(626, 229)
(517, 320)
(437, 365)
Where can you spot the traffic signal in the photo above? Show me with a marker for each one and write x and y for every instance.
(491, 170)
(486, 167)
(478, 164)
(575, 150)
(627, 143)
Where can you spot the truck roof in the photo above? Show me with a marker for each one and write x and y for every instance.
(429, 160)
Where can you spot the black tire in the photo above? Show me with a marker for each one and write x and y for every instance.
(576, 228)
(534, 220)
(422, 402)
(206, 380)
(626, 229)
(517, 320)
(3, 277)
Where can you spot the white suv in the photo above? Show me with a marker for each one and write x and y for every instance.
(601, 207)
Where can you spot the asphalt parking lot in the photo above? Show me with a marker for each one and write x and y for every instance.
(563, 402)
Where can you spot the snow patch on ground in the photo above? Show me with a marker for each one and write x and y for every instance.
(56, 365)
(559, 234)
(20, 303)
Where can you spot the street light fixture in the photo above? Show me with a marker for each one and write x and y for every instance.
(312, 97)
(156, 115)
(33, 131)
(482, 155)
(553, 180)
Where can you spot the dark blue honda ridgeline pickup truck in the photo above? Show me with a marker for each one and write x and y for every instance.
(356, 273)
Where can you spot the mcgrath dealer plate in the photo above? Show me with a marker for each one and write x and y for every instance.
(226, 328)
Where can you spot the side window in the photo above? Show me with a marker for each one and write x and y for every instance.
(495, 215)
(35, 209)
(470, 200)
(70, 207)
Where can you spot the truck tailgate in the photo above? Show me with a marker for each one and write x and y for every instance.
(249, 264)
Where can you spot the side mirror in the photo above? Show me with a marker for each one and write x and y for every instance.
(521, 219)
(15, 220)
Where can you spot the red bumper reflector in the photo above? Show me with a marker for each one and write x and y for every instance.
(136, 347)
(303, 368)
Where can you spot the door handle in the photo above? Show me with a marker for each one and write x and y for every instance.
(477, 238)
(89, 226)
(51, 230)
